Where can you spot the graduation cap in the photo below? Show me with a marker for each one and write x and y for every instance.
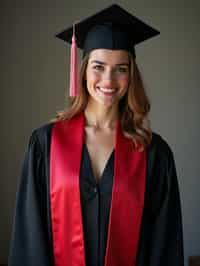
(111, 28)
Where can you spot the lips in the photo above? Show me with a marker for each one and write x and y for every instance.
(106, 91)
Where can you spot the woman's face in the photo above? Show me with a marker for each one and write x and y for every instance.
(107, 76)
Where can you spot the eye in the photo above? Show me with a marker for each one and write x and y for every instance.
(98, 67)
(121, 69)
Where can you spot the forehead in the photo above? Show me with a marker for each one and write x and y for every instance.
(109, 56)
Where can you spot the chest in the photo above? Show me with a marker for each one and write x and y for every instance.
(100, 146)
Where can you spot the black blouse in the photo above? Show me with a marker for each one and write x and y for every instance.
(96, 202)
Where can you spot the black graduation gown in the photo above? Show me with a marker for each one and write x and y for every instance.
(161, 236)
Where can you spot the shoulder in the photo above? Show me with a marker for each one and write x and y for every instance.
(43, 131)
(41, 137)
(159, 143)
(159, 147)
(160, 158)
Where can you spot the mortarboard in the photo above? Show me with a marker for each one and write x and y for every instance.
(111, 28)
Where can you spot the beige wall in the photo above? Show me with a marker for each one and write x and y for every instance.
(34, 69)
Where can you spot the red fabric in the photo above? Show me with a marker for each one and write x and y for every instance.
(66, 148)
(127, 197)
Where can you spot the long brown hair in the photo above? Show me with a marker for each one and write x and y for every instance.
(133, 107)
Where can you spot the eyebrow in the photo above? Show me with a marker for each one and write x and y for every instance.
(103, 63)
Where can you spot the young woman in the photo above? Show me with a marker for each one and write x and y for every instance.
(97, 186)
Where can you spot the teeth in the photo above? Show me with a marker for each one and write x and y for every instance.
(106, 90)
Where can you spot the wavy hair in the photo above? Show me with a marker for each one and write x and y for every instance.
(133, 107)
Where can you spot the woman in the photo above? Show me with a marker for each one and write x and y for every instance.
(97, 186)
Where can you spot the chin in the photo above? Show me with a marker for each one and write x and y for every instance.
(104, 101)
(107, 102)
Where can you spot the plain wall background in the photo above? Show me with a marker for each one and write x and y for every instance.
(34, 77)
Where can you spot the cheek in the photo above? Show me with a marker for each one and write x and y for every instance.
(124, 81)
(92, 78)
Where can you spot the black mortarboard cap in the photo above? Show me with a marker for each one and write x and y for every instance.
(111, 28)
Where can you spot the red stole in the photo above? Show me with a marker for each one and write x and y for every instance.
(127, 197)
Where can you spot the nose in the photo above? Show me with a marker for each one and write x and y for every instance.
(108, 78)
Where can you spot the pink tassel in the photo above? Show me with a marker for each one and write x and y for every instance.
(73, 67)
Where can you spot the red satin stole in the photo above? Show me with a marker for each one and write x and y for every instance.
(127, 197)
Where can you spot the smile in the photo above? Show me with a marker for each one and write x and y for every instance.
(106, 91)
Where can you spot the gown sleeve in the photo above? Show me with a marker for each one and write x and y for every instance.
(166, 235)
(29, 243)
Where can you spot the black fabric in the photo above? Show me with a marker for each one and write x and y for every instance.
(96, 202)
(161, 238)
(108, 36)
(111, 28)
(31, 242)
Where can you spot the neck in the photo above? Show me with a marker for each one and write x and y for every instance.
(101, 117)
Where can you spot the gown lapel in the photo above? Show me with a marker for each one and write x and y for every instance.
(127, 197)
